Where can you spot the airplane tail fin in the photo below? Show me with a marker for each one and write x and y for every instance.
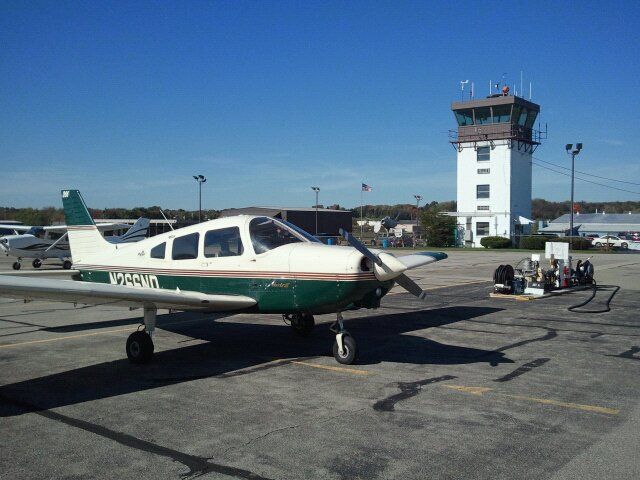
(136, 233)
(85, 241)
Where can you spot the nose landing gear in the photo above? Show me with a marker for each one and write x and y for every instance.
(344, 347)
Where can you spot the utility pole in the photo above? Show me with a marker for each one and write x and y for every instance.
(573, 152)
(200, 179)
(317, 190)
(418, 198)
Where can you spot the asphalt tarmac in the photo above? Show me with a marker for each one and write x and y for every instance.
(459, 386)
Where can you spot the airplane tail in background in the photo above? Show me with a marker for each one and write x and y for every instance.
(136, 233)
(85, 241)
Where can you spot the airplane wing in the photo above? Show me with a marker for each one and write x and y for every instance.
(17, 228)
(101, 227)
(421, 258)
(89, 293)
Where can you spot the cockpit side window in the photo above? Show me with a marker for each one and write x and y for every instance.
(224, 242)
(185, 247)
(267, 234)
(159, 250)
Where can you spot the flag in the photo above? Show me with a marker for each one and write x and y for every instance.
(366, 188)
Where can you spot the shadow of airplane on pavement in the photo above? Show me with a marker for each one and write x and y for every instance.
(239, 348)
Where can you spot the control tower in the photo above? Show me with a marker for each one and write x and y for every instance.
(495, 141)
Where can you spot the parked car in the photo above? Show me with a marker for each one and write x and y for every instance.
(610, 240)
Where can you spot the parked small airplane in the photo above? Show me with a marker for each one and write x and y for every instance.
(387, 222)
(245, 263)
(41, 243)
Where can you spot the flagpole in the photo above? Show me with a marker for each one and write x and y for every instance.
(361, 201)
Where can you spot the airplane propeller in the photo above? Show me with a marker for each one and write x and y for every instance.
(386, 266)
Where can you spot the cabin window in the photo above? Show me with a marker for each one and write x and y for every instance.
(484, 154)
(267, 234)
(185, 247)
(224, 242)
(482, 228)
(159, 250)
(482, 191)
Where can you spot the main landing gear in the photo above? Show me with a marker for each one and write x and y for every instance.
(301, 323)
(344, 347)
(17, 265)
(140, 344)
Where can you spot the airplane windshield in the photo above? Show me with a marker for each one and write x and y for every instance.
(37, 232)
(268, 233)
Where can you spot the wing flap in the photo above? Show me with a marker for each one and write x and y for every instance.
(89, 293)
(421, 258)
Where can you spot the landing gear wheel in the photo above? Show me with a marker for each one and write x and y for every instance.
(66, 265)
(139, 347)
(37, 263)
(16, 265)
(302, 324)
(349, 350)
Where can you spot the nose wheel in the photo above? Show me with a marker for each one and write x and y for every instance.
(345, 349)
(37, 263)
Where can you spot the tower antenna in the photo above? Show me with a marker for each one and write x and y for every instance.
(462, 84)
(521, 89)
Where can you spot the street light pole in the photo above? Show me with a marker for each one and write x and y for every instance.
(573, 152)
(317, 190)
(418, 198)
(200, 179)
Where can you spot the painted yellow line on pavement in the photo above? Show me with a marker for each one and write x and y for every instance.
(575, 406)
(471, 390)
(66, 337)
(544, 401)
(117, 330)
(441, 286)
(354, 371)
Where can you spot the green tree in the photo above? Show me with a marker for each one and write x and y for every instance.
(438, 228)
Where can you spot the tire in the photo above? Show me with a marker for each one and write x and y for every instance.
(350, 350)
(37, 263)
(66, 265)
(139, 347)
(303, 324)
(624, 245)
(598, 244)
(16, 265)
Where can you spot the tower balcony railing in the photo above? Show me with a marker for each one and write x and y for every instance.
(496, 131)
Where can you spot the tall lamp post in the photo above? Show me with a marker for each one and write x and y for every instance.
(200, 179)
(317, 190)
(418, 198)
(573, 151)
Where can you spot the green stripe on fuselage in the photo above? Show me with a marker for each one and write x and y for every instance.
(274, 295)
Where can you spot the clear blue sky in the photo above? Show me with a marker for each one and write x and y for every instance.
(127, 100)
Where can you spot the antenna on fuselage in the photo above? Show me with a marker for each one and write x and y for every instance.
(165, 217)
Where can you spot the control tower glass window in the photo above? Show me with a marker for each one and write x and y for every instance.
(523, 117)
(464, 117)
(501, 113)
(484, 154)
(531, 118)
(482, 191)
(483, 115)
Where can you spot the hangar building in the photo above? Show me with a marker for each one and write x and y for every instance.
(595, 223)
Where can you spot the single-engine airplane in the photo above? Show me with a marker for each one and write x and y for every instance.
(51, 241)
(245, 263)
